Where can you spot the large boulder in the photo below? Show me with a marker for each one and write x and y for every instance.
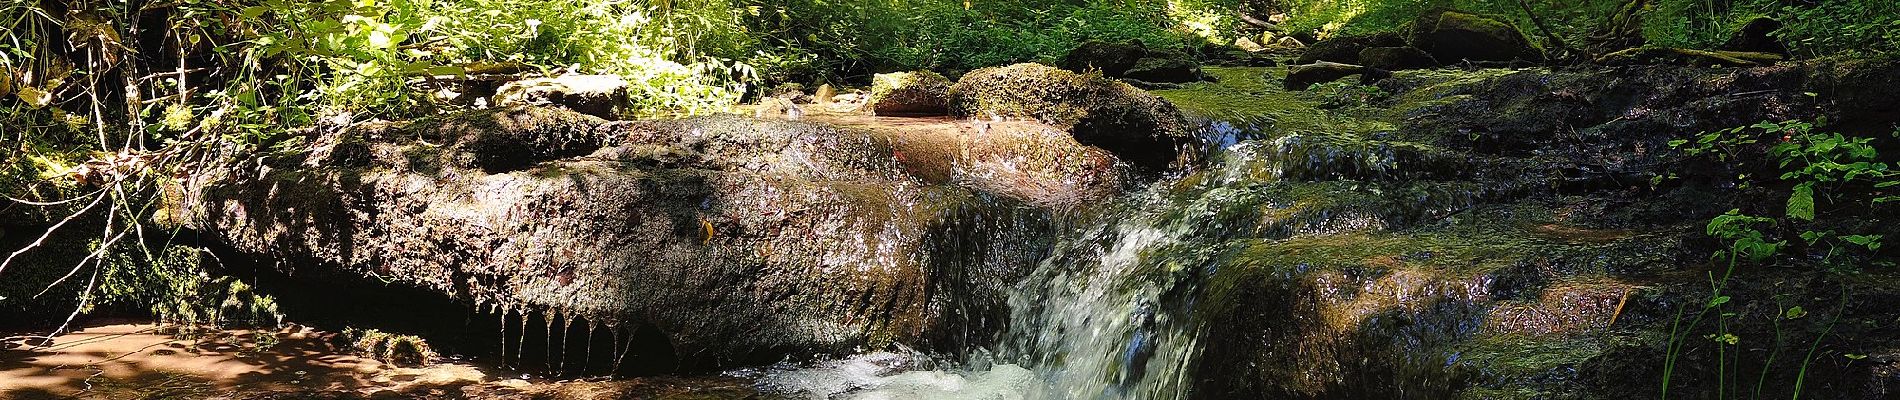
(1346, 49)
(603, 96)
(727, 240)
(1452, 36)
(910, 93)
(1136, 126)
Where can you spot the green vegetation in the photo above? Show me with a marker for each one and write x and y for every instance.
(398, 349)
(1811, 28)
(1826, 169)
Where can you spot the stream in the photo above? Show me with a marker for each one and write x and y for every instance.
(1109, 314)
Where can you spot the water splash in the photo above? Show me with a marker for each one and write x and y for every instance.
(1105, 316)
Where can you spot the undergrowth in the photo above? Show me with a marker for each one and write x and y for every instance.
(1822, 171)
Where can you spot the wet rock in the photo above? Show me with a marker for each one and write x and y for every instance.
(1346, 49)
(1755, 37)
(1451, 36)
(1248, 45)
(728, 240)
(1301, 77)
(1133, 61)
(910, 93)
(1289, 42)
(1165, 70)
(1544, 266)
(793, 92)
(603, 96)
(508, 139)
(1138, 127)
(825, 94)
(1396, 58)
(1113, 59)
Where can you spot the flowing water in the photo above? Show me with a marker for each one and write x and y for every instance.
(1108, 315)
(1111, 312)
(1099, 319)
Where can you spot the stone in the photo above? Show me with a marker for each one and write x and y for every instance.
(729, 240)
(1249, 45)
(1396, 58)
(1290, 42)
(1345, 49)
(1301, 77)
(1165, 70)
(1113, 59)
(1452, 36)
(825, 94)
(920, 93)
(1136, 126)
(603, 96)
(506, 139)
(1756, 37)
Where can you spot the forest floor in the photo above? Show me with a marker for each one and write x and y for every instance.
(135, 360)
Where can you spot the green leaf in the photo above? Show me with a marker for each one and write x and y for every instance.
(253, 12)
(1678, 143)
(1795, 313)
(1811, 236)
(1718, 300)
(1855, 356)
(1801, 202)
(1871, 242)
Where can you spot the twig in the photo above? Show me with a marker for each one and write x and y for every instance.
(96, 254)
(49, 231)
(51, 203)
(84, 297)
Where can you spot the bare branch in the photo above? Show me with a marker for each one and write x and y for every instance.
(52, 203)
(49, 231)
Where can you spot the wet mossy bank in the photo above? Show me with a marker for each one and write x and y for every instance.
(1503, 234)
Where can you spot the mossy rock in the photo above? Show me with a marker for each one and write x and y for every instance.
(1396, 58)
(1452, 36)
(1345, 49)
(1113, 59)
(1165, 70)
(1138, 127)
(910, 93)
(1301, 77)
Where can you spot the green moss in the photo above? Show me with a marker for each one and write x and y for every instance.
(1255, 96)
(1140, 128)
(398, 349)
(921, 92)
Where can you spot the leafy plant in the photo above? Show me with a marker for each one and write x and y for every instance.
(1823, 168)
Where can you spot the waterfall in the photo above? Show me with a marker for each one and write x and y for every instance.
(1107, 319)
(1106, 316)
